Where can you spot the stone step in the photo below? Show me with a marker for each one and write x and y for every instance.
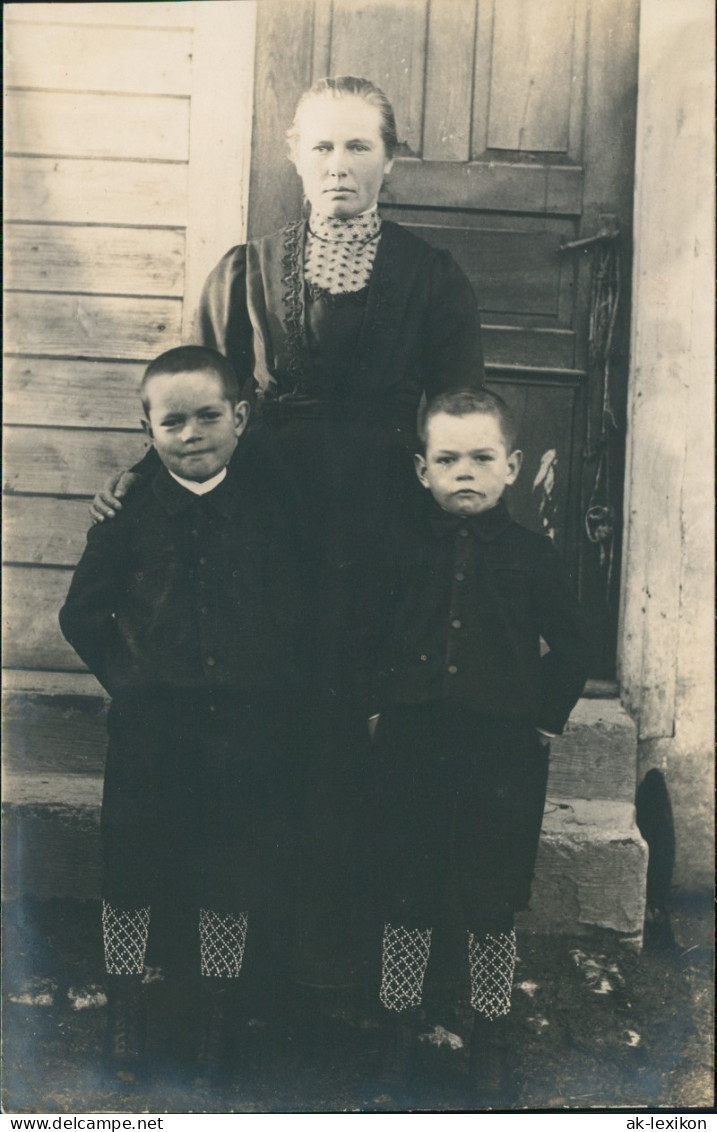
(591, 871)
(591, 866)
(61, 730)
(596, 757)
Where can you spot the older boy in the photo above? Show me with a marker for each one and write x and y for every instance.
(186, 609)
(463, 706)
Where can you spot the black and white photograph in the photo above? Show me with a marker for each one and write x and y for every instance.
(358, 575)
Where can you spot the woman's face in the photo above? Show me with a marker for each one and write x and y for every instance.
(339, 155)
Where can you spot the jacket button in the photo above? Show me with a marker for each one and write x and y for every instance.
(194, 534)
(463, 532)
(452, 669)
(459, 576)
(456, 624)
(204, 609)
(211, 661)
(202, 561)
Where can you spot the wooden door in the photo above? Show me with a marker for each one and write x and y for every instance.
(517, 120)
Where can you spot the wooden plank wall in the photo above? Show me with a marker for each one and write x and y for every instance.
(125, 181)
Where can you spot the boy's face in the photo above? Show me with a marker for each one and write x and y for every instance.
(192, 423)
(466, 466)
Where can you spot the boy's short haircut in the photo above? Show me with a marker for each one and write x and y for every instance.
(192, 359)
(463, 402)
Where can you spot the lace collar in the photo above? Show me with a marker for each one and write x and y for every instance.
(354, 229)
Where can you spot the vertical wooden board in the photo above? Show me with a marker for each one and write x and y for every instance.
(482, 76)
(32, 599)
(531, 75)
(96, 259)
(579, 80)
(385, 43)
(149, 13)
(44, 532)
(220, 142)
(609, 160)
(60, 461)
(92, 192)
(323, 15)
(57, 391)
(449, 80)
(609, 145)
(128, 60)
(284, 36)
(97, 125)
(91, 326)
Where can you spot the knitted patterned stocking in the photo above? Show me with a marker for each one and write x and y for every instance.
(222, 939)
(405, 958)
(125, 938)
(492, 964)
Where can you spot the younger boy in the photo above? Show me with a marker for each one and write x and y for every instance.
(463, 707)
(186, 609)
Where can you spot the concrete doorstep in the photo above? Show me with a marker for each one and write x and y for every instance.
(591, 869)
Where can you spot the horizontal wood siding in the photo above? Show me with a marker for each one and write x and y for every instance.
(98, 109)
(68, 391)
(104, 260)
(31, 633)
(91, 326)
(60, 461)
(44, 531)
(77, 191)
(159, 13)
(107, 59)
(96, 125)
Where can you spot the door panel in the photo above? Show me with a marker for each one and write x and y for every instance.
(517, 125)
(532, 64)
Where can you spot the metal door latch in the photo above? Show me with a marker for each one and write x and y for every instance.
(607, 233)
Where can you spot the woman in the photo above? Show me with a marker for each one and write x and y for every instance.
(338, 326)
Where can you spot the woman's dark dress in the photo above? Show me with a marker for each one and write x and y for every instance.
(337, 381)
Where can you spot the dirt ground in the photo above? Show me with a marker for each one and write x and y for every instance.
(593, 1027)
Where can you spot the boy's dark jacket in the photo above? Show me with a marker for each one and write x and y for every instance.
(454, 609)
(181, 591)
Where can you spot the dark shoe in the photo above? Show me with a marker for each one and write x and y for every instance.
(124, 1042)
(491, 1064)
(217, 1031)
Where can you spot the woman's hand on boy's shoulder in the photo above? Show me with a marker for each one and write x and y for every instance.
(107, 502)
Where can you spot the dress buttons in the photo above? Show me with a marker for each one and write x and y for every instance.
(452, 669)
(204, 609)
(456, 624)
(202, 561)
(463, 532)
(194, 534)
(459, 576)
(211, 661)
(212, 709)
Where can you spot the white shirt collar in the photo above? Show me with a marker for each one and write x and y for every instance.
(200, 488)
